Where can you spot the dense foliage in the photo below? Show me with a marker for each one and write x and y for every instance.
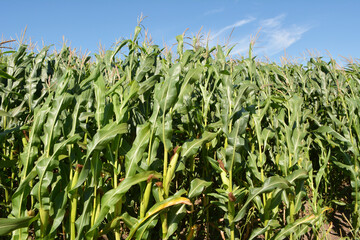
(140, 143)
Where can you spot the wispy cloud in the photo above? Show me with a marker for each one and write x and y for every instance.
(234, 25)
(275, 35)
(279, 39)
(213, 11)
(272, 22)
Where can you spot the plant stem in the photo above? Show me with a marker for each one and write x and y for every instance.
(74, 200)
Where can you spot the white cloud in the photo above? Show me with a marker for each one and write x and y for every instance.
(272, 22)
(279, 39)
(213, 11)
(275, 35)
(234, 25)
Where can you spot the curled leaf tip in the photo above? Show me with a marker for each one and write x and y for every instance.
(231, 196)
(151, 176)
(176, 149)
(79, 167)
(222, 166)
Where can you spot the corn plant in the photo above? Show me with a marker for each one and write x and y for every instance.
(139, 143)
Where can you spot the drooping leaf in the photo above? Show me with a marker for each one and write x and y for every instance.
(7, 225)
(171, 201)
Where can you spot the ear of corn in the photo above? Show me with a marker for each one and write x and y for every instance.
(195, 145)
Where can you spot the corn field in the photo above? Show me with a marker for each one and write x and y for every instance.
(141, 143)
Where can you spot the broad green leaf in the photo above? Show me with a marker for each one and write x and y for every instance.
(180, 47)
(113, 196)
(81, 100)
(100, 90)
(191, 148)
(137, 32)
(144, 229)
(31, 150)
(291, 228)
(186, 87)
(136, 152)
(50, 128)
(148, 84)
(171, 201)
(27, 157)
(59, 207)
(197, 186)
(34, 78)
(165, 130)
(99, 142)
(20, 194)
(175, 215)
(118, 48)
(270, 184)
(7, 225)
(84, 220)
(166, 93)
(93, 76)
(50, 162)
(104, 136)
(297, 174)
(329, 130)
(236, 141)
(5, 75)
(145, 66)
(128, 220)
(62, 84)
(258, 231)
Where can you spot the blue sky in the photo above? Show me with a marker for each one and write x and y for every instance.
(300, 27)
